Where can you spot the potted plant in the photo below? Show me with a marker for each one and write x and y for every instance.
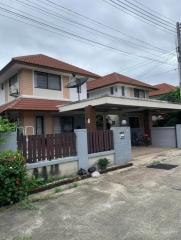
(103, 163)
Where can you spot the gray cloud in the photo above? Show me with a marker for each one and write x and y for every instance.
(19, 39)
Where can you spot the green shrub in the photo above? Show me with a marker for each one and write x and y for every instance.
(13, 178)
(103, 163)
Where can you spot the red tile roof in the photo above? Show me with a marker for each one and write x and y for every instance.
(163, 88)
(115, 78)
(32, 104)
(44, 61)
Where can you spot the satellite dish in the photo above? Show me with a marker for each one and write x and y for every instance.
(77, 83)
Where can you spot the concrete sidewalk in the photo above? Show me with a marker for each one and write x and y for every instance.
(137, 204)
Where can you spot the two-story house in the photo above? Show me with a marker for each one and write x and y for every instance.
(117, 85)
(33, 87)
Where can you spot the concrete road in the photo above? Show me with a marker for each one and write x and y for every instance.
(138, 204)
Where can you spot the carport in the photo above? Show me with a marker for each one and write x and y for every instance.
(125, 109)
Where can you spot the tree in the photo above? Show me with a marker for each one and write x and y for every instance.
(6, 127)
(172, 96)
(173, 118)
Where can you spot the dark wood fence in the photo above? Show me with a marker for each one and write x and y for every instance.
(100, 141)
(39, 147)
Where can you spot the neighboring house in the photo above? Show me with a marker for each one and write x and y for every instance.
(118, 85)
(33, 87)
(162, 90)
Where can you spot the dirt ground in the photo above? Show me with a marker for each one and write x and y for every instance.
(139, 203)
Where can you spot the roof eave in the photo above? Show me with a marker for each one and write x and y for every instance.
(14, 61)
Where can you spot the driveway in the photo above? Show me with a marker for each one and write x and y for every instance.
(137, 204)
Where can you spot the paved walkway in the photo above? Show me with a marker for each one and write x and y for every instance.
(137, 204)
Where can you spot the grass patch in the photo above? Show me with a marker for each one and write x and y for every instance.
(34, 182)
(44, 197)
(73, 185)
(27, 204)
(57, 190)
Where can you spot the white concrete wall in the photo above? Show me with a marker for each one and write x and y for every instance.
(68, 166)
(163, 137)
(74, 94)
(129, 91)
(93, 158)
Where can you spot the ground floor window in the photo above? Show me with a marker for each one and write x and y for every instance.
(39, 125)
(67, 124)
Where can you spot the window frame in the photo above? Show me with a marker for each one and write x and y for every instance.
(139, 91)
(47, 80)
(123, 91)
(111, 90)
(43, 124)
(12, 78)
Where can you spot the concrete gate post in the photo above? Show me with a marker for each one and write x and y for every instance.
(82, 148)
(122, 145)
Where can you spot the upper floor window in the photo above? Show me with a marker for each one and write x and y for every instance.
(123, 90)
(13, 80)
(139, 93)
(111, 90)
(47, 81)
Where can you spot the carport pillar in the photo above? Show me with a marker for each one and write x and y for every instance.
(90, 118)
(147, 119)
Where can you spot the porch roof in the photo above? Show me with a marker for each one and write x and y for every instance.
(23, 103)
(116, 103)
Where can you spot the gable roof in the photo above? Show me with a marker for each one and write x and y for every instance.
(33, 104)
(163, 88)
(44, 61)
(115, 78)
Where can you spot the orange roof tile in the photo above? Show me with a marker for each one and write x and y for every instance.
(32, 104)
(41, 60)
(115, 78)
(163, 88)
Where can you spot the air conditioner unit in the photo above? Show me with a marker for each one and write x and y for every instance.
(14, 92)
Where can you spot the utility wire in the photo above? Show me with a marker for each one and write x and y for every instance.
(55, 27)
(57, 5)
(157, 66)
(158, 74)
(137, 15)
(154, 11)
(149, 14)
(60, 16)
(142, 14)
(142, 64)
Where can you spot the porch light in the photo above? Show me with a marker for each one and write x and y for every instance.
(124, 122)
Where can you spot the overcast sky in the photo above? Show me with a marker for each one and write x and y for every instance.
(18, 39)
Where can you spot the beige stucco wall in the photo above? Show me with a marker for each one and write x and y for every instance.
(26, 82)
(28, 120)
